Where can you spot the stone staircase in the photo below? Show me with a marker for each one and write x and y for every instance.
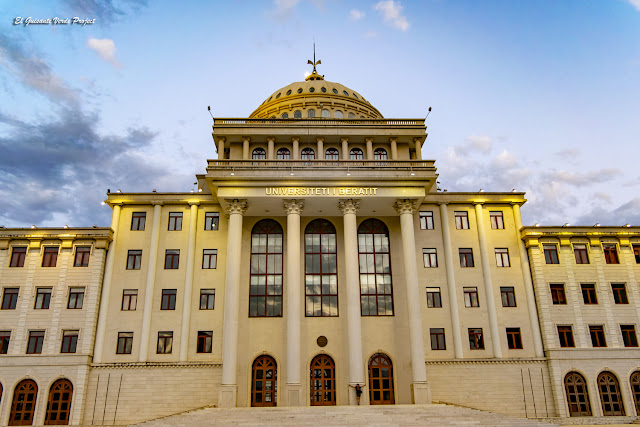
(384, 415)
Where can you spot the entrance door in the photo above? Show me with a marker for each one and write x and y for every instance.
(380, 380)
(24, 403)
(610, 395)
(263, 384)
(59, 403)
(577, 396)
(323, 381)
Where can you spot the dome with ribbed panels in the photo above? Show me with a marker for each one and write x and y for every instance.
(316, 98)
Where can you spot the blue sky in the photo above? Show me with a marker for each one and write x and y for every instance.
(541, 96)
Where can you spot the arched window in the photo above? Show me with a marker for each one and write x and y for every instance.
(381, 380)
(264, 382)
(308, 154)
(283, 154)
(311, 113)
(356, 154)
(265, 292)
(297, 114)
(376, 291)
(332, 154)
(285, 115)
(258, 154)
(351, 116)
(577, 395)
(321, 269)
(380, 154)
(326, 113)
(323, 381)
(610, 395)
(635, 389)
(59, 403)
(24, 403)
(338, 114)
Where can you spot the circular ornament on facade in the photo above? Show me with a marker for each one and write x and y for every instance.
(312, 89)
(345, 93)
(335, 91)
(324, 89)
(289, 92)
(322, 341)
(299, 90)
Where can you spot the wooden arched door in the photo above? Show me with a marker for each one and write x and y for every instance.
(24, 403)
(323, 381)
(264, 382)
(59, 403)
(577, 395)
(380, 380)
(635, 389)
(610, 395)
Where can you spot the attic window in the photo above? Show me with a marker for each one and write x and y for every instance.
(335, 91)
(345, 93)
(299, 90)
(312, 89)
(324, 89)
(289, 92)
(278, 96)
(355, 96)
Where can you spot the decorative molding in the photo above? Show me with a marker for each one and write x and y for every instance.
(293, 206)
(405, 206)
(237, 206)
(485, 361)
(349, 206)
(155, 365)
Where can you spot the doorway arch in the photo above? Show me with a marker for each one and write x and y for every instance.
(323, 381)
(24, 403)
(610, 396)
(381, 380)
(577, 396)
(59, 403)
(264, 382)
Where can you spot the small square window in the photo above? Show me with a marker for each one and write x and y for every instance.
(565, 335)
(125, 342)
(514, 339)
(211, 220)
(129, 299)
(508, 295)
(466, 257)
(43, 298)
(462, 220)
(597, 336)
(580, 252)
(497, 221)
(205, 340)
(437, 339)
(629, 335)
(426, 220)
(207, 299)
(50, 256)
(636, 253)
(134, 259)
(9, 298)
(168, 299)
(476, 341)
(502, 257)
(434, 300)
(69, 341)
(558, 296)
(76, 298)
(610, 253)
(165, 342)
(82, 256)
(471, 297)
(36, 339)
(138, 220)
(209, 258)
(589, 293)
(18, 255)
(5, 336)
(175, 221)
(430, 257)
(551, 254)
(172, 259)
(619, 293)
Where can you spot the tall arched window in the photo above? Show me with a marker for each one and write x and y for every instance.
(610, 395)
(356, 154)
(283, 154)
(321, 269)
(331, 154)
(285, 115)
(323, 381)
(59, 403)
(635, 389)
(577, 396)
(376, 291)
(326, 113)
(259, 154)
(381, 380)
(297, 114)
(311, 113)
(24, 403)
(380, 154)
(338, 115)
(308, 154)
(264, 382)
(265, 292)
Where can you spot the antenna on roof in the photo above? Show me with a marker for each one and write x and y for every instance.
(428, 112)
(209, 109)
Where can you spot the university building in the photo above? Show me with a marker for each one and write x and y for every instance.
(317, 256)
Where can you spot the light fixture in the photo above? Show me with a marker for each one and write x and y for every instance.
(66, 226)
(513, 191)
(481, 191)
(536, 225)
(413, 174)
(199, 190)
(566, 224)
(191, 191)
(103, 203)
(232, 173)
(597, 224)
(154, 190)
(627, 225)
(33, 226)
(119, 190)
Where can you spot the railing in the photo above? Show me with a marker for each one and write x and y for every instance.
(320, 121)
(323, 164)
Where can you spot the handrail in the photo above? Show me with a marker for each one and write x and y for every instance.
(298, 164)
(319, 121)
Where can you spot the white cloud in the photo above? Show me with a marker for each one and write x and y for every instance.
(106, 49)
(578, 179)
(284, 8)
(481, 143)
(635, 3)
(392, 14)
(504, 160)
(356, 14)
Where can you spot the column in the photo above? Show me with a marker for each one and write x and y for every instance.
(369, 142)
(451, 281)
(106, 286)
(188, 282)
(345, 148)
(293, 208)
(419, 386)
(349, 208)
(394, 148)
(150, 285)
(270, 142)
(221, 148)
(320, 155)
(418, 142)
(528, 285)
(488, 283)
(229, 387)
(296, 148)
(245, 148)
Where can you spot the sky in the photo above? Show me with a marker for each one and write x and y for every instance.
(539, 96)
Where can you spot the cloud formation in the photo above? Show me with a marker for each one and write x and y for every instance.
(284, 8)
(356, 14)
(105, 11)
(392, 14)
(636, 4)
(106, 49)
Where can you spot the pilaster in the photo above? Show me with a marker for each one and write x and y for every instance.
(188, 282)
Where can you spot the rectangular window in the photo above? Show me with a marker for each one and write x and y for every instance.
(175, 221)
(551, 254)
(437, 339)
(205, 339)
(619, 293)
(636, 253)
(168, 299)
(597, 336)
(434, 300)
(43, 298)
(426, 220)
(69, 341)
(165, 342)
(125, 342)
(36, 339)
(430, 257)
(471, 297)
(50, 256)
(629, 336)
(137, 221)
(502, 257)
(134, 258)
(558, 295)
(508, 295)
(172, 259)
(129, 299)
(466, 257)
(209, 258)
(5, 336)
(82, 256)
(476, 341)
(76, 298)
(207, 299)
(589, 293)
(580, 252)
(497, 221)
(610, 253)
(18, 254)
(514, 339)
(462, 220)
(211, 220)
(9, 298)
(565, 335)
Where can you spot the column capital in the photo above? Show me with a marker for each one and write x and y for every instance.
(222, 138)
(293, 206)
(349, 206)
(405, 206)
(237, 206)
(156, 203)
(320, 139)
(344, 139)
(393, 139)
(271, 139)
(442, 203)
(369, 139)
(246, 138)
(295, 139)
(476, 203)
(194, 202)
(418, 139)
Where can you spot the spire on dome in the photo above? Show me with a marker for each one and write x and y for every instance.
(314, 74)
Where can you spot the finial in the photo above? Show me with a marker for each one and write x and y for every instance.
(314, 63)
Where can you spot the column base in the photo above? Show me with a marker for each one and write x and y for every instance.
(420, 393)
(294, 395)
(228, 396)
(353, 398)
